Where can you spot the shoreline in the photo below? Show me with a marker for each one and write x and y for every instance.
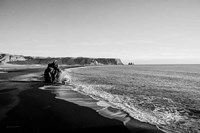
(105, 109)
(128, 120)
(38, 110)
(99, 107)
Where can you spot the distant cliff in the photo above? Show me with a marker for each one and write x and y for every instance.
(20, 59)
(4, 58)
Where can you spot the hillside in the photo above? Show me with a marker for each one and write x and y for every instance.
(20, 59)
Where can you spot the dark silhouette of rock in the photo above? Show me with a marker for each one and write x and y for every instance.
(130, 63)
(52, 73)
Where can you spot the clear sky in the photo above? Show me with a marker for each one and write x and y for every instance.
(141, 31)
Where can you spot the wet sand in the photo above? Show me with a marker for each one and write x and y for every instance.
(25, 108)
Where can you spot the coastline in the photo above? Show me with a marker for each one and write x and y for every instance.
(30, 109)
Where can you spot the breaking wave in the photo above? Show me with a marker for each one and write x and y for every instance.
(65, 77)
(170, 118)
(166, 114)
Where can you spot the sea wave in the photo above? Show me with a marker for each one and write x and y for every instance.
(149, 109)
(65, 77)
(166, 114)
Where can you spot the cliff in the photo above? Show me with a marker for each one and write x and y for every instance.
(20, 59)
(4, 58)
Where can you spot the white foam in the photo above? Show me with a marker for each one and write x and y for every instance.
(65, 77)
(103, 104)
(119, 115)
(163, 117)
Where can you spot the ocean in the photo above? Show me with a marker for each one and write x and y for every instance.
(167, 96)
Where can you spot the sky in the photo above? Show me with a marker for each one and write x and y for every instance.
(139, 31)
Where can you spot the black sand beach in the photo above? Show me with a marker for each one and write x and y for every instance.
(25, 108)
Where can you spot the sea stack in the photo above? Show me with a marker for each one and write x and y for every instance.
(52, 72)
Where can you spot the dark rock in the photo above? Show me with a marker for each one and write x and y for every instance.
(52, 73)
(130, 63)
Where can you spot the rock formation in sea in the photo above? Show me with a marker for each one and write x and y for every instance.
(130, 63)
(52, 73)
(19, 59)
